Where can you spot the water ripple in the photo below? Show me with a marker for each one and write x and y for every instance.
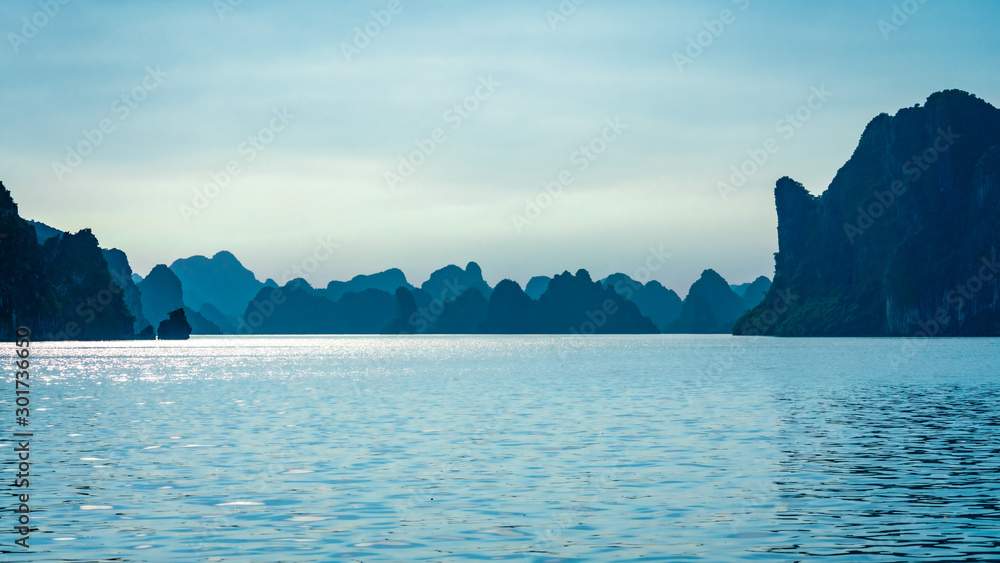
(513, 448)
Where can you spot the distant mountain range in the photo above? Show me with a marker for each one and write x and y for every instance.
(221, 281)
(570, 304)
(388, 281)
(458, 301)
(904, 241)
(58, 274)
(712, 306)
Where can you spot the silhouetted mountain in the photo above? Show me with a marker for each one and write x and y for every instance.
(118, 268)
(424, 302)
(710, 307)
(300, 284)
(161, 293)
(24, 291)
(174, 327)
(536, 286)
(75, 266)
(199, 324)
(297, 308)
(221, 280)
(44, 232)
(224, 322)
(571, 304)
(387, 281)
(904, 241)
(755, 292)
(512, 311)
(70, 287)
(415, 312)
(577, 304)
(61, 289)
(405, 319)
(464, 315)
(365, 312)
(121, 273)
(697, 317)
(660, 304)
(288, 310)
(451, 281)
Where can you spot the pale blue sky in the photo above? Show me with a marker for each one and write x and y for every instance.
(220, 80)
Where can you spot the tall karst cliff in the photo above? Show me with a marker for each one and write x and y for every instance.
(60, 289)
(904, 241)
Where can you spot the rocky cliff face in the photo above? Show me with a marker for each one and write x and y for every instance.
(220, 280)
(904, 241)
(61, 289)
(161, 293)
(388, 281)
(659, 304)
(536, 286)
(453, 281)
(121, 273)
(755, 292)
(711, 307)
(174, 327)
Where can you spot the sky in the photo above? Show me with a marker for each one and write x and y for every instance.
(531, 137)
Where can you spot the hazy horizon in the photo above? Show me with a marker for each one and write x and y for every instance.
(180, 89)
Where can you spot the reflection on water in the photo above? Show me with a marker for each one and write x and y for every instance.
(511, 448)
(912, 469)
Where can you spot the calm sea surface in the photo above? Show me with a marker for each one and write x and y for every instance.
(657, 448)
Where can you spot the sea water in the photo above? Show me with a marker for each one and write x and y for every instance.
(533, 448)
